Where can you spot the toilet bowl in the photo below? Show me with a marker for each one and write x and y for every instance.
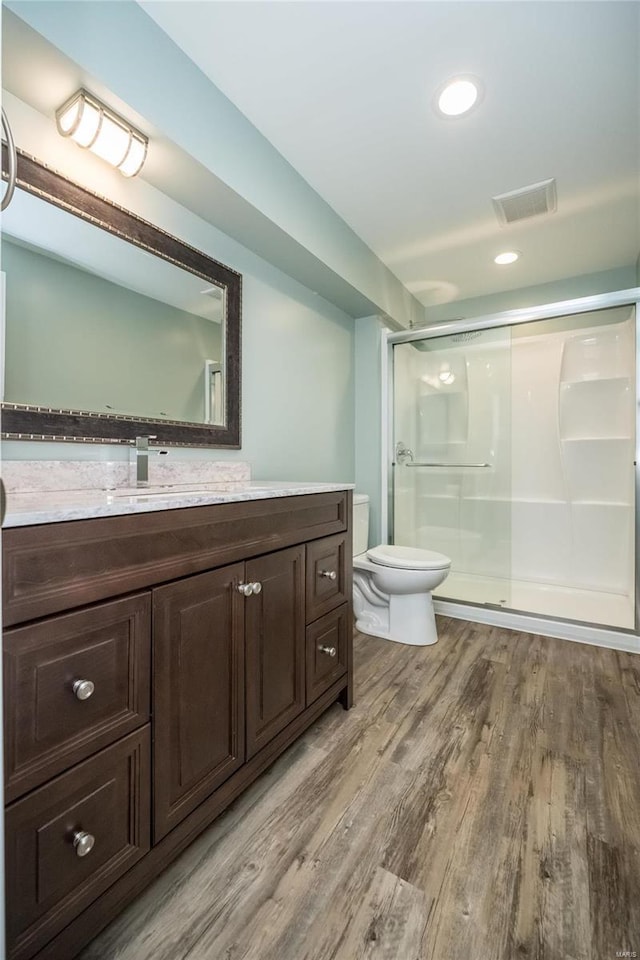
(392, 586)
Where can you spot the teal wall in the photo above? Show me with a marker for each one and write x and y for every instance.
(297, 347)
(235, 177)
(76, 340)
(298, 355)
(368, 419)
(297, 389)
(570, 288)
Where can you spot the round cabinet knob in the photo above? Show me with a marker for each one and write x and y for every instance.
(256, 587)
(83, 843)
(83, 689)
(330, 651)
(246, 589)
(329, 574)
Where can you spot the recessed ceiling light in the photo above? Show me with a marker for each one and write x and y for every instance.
(456, 97)
(509, 256)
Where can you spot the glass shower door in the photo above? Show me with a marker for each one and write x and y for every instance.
(452, 458)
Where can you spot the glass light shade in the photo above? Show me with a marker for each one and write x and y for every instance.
(134, 159)
(112, 142)
(86, 126)
(69, 115)
(91, 124)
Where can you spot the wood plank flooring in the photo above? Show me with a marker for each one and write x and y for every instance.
(480, 802)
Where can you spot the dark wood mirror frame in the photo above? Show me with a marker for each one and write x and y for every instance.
(25, 422)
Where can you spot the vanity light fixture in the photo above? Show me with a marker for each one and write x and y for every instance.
(93, 125)
(509, 256)
(457, 96)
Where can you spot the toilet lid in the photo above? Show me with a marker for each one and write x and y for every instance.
(408, 558)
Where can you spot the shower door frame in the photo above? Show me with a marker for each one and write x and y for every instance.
(582, 631)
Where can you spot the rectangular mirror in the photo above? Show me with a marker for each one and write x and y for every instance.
(113, 328)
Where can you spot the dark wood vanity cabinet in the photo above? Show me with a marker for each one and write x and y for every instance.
(154, 666)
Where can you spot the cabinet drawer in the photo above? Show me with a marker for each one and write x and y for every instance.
(57, 566)
(51, 873)
(48, 726)
(327, 645)
(327, 585)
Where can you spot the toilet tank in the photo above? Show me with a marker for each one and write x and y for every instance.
(360, 523)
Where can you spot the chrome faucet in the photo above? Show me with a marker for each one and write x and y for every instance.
(142, 459)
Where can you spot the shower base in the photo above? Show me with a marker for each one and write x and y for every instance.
(549, 600)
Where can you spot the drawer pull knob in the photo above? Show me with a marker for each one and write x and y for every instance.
(329, 574)
(83, 689)
(83, 843)
(330, 651)
(246, 589)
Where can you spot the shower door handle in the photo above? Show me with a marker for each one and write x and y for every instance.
(419, 464)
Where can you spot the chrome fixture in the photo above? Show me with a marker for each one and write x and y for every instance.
(416, 463)
(90, 123)
(83, 843)
(83, 689)
(247, 589)
(142, 459)
(403, 453)
(330, 651)
(329, 574)
(13, 163)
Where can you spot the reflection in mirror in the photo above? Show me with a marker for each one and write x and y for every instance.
(120, 331)
(77, 340)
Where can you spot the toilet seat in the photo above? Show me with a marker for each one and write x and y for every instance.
(408, 558)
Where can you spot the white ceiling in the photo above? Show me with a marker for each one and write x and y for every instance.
(343, 90)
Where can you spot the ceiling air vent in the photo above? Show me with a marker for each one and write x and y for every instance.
(526, 202)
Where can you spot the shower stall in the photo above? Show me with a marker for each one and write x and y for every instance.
(512, 449)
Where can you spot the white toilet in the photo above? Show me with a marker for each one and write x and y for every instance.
(392, 585)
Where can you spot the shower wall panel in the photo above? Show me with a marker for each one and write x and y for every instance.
(573, 441)
(549, 406)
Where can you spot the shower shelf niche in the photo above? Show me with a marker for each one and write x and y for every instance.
(598, 469)
(595, 408)
(602, 355)
(595, 419)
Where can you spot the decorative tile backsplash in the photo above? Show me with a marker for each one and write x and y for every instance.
(31, 476)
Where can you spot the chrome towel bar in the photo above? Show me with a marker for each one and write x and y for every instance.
(415, 463)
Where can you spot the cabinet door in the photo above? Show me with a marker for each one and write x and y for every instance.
(198, 685)
(68, 841)
(275, 643)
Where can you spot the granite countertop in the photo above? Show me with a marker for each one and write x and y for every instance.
(57, 506)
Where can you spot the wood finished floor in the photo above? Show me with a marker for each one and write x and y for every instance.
(480, 802)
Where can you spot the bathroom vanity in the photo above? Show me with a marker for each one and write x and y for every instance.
(158, 656)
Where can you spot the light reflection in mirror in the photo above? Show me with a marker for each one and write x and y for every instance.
(95, 323)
